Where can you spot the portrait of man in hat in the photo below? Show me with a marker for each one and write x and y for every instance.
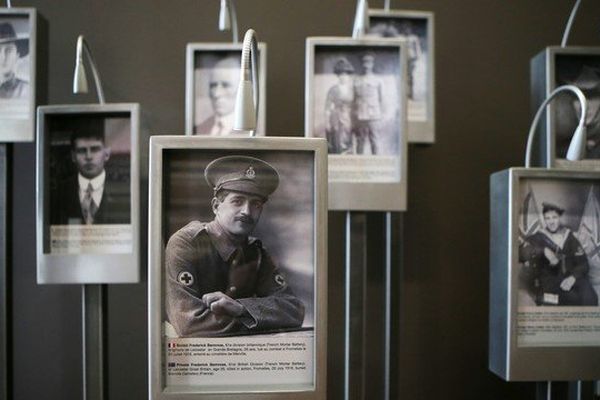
(556, 263)
(220, 280)
(89, 196)
(223, 83)
(13, 47)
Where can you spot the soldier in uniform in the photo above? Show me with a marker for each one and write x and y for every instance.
(11, 49)
(368, 98)
(557, 263)
(219, 279)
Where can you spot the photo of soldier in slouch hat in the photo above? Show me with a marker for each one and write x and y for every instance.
(220, 280)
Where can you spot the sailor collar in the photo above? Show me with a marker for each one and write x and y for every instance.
(552, 237)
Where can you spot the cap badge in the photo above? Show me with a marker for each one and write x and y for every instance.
(250, 173)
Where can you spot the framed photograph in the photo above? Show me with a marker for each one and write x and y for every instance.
(417, 29)
(355, 98)
(17, 74)
(211, 83)
(88, 193)
(545, 275)
(238, 273)
(554, 67)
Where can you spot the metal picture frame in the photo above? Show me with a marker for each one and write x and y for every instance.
(86, 268)
(19, 129)
(190, 82)
(362, 195)
(507, 358)
(543, 82)
(419, 131)
(159, 145)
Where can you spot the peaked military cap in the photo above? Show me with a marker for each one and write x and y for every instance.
(242, 174)
(552, 207)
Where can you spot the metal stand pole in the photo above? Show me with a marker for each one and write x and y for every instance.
(580, 390)
(356, 266)
(371, 296)
(4, 359)
(543, 391)
(94, 357)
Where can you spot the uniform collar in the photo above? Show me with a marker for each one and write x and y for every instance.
(222, 241)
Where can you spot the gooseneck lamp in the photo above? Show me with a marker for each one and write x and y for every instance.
(228, 19)
(8, 4)
(361, 19)
(576, 149)
(80, 83)
(387, 5)
(247, 99)
(567, 31)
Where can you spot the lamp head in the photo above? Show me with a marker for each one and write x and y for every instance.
(361, 19)
(80, 83)
(245, 110)
(577, 146)
(224, 17)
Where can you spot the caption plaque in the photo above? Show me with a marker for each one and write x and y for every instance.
(237, 268)
(545, 275)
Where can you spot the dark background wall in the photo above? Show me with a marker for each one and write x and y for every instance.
(483, 49)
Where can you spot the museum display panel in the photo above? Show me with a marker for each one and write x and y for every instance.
(88, 194)
(237, 318)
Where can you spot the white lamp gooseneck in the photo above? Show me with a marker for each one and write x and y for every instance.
(361, 19)
(247, 98)
(8, 4)
(228, 19)
(386, 6)
(80, 84)
(567, 31)
(576, 149)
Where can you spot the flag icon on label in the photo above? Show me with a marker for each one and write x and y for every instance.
(171, 345)
(171, 364)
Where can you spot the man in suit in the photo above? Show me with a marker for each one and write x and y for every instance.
(223, 84)
(90, 197)
(220, 280)
(12, 48)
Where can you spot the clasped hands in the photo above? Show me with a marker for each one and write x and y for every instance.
(566, 283)
(221, 304)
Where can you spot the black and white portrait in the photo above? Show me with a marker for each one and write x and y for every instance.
(559, 243)
(89, 171)
(238, 227)
(215, 77)
(14, 67)
(582, 71)
(357, 99)
(414, 31)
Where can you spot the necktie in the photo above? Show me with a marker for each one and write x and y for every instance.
(220, 128)
(88, 206)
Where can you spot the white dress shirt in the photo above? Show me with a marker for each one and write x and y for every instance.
(97, 187)
(223, 125)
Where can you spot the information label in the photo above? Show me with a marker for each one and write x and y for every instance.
(99, 239)
(241, 362)
(558, 326)
(376, 169)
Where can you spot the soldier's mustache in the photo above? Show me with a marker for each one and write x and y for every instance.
(245, 219)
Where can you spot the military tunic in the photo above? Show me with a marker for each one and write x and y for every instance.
(201, 259)
(368, 94)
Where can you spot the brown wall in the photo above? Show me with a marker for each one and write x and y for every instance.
(483, 49)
